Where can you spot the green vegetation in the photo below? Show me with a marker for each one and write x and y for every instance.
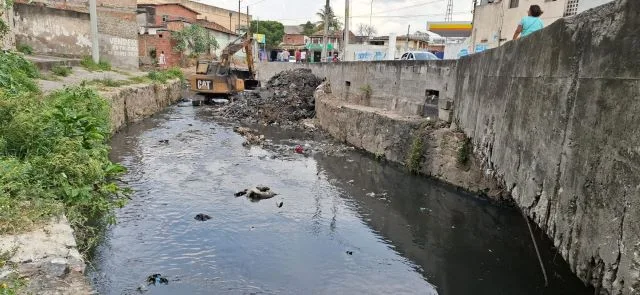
(465, 151)
(108, 82)
(12, 283)
(334, 21)
(195, 39)
(273, 31)
(414, 158)
(88, 63)
(4, 28)
(25, 48)
(308, 28)
(164, 76)
(139, 79)
(61, 71)
(54, 155)
(366, 91)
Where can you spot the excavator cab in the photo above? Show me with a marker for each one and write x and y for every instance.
(215, 78)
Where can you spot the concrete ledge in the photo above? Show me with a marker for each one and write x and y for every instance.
(388, 134)
(46, 63)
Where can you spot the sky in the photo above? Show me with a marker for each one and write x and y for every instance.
(389, 16)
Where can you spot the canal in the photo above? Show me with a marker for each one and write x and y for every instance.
(348, 225)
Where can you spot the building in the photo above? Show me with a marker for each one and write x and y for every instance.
(495, 21)
(413, 42)
(62, 28)
(229, 19)
(156, 24)
(334, 43)
(293, 38)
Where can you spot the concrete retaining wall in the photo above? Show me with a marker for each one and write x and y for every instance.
(133, 103)
(554, 118)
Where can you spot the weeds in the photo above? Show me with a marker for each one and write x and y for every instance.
(366, 91)
(25, 48)
(17, 74)
(139, 79)
(465, 151)
(88, 63)
(415, 156)
(61, 71)
(164, 76)
(54, 156)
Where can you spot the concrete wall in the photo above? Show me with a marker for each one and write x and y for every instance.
(554, 118)
(399, 86)
(64, 30)
(9, 40)
(496, 21)
(585, 5)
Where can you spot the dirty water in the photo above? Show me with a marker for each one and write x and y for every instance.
(348, 224)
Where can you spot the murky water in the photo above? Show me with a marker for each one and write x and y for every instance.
(415, 236)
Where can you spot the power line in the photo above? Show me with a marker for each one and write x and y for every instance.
(406, 7)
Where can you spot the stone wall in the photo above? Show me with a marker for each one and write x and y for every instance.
(133, 103)
(64, 30)
(553, 118)
(6, 16)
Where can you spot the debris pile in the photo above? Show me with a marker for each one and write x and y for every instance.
(251, 136)
(288, 98)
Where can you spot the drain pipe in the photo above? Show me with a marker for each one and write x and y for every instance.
(535, 245)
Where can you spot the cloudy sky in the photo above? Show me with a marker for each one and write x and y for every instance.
(388, 15)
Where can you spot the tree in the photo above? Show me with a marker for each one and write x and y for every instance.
(272, 30)
(366, 30)
(194, 38)
(334, 22)
(308, 29)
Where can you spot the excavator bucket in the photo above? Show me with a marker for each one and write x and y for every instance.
(251, 84)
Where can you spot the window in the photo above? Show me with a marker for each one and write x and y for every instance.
(572, 8)
(165, 18)
(160, 35)
(514, 3)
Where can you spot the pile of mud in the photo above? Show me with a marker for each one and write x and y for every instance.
(287, 98)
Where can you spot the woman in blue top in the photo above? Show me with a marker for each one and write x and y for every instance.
(531, 23)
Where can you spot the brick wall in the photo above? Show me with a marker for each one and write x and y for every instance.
(293, 39)
(63, 28)
(174, 11)
(146, 43)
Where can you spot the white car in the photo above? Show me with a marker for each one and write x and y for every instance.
(419, 55)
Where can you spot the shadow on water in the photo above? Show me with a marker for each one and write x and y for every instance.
(349, 225)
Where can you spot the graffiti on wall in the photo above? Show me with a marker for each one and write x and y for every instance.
(370, 55)
(123, 47)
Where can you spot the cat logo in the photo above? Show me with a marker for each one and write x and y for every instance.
(204, 84)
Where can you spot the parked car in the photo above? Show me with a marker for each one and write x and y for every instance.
(419, 55)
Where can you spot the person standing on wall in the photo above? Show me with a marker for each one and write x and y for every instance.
(530, 23)
(162, 60)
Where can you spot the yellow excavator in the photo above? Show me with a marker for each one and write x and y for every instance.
(217, 78)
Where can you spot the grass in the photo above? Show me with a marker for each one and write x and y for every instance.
(61, 71)
(140, 79)
(88, 63)
(164, 76)
(25, 48)
(54, 155)
(366, 91)
(12, 283)
(414, 158)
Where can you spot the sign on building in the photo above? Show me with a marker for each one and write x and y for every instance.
(260, 38)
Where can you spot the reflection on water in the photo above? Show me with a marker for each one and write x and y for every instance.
(411, 236)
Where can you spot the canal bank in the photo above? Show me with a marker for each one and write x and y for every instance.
(45, 258)
(552, 119)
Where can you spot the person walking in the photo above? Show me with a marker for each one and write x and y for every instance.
(303, 56)
(285, 56)
(298, 55)
(162, 60)
(530, 23)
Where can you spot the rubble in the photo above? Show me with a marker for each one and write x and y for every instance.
(287, 99)
(251, 136)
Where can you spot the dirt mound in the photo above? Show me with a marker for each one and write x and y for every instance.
(287, 98)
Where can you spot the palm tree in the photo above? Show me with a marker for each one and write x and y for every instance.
(334, 22)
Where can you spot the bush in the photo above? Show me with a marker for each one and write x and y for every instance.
(54, 158)
(25, 48)
(17, 74)
(164, 76)
(61, 71)
(88, 63)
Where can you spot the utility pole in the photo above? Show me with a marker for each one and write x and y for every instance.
(239, 11)
(346, 30)
(230, 21)
(408, 30)
(371, 14)
(248, 21)
(323, 56)
(95, 46)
